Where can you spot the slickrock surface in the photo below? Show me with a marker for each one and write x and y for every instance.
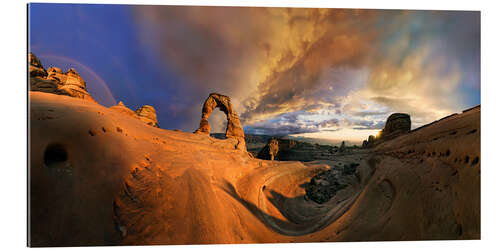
(102, 177)
(233, 129)
(146, 113)
(120, 107)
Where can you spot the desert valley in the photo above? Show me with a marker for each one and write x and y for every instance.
(112, 176)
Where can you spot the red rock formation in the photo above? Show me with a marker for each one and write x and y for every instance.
(147, 114)
(55, 81)
(234, 129)
(270, 151)
(397, 124)
(35, 66)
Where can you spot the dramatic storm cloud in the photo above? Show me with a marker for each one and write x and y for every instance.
(352, 65)
(329, 73)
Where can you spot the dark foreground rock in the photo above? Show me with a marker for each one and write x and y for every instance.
(325, 185)
(396, 124)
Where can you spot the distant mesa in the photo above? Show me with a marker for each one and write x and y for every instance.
(146, 113)
(54, 81)
(233, 128)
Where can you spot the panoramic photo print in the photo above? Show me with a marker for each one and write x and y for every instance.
(173, 125)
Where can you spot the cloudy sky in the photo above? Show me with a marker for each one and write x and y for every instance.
(324, 73)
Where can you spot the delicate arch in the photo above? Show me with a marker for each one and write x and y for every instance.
(215, 100)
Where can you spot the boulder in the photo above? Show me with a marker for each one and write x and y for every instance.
(396, 124)
(270, 151)
(147, 114)
(233, 128)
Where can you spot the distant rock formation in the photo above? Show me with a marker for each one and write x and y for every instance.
(234, 128)
(146, 113)
(293, 150)
(55, 81)
(396, 124)
(342, 147)
(270, 151)
(370, 142)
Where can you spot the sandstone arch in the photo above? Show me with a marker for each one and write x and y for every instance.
(233, 128)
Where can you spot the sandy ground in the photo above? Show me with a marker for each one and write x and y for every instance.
(99, 177)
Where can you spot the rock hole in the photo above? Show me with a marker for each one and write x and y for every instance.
(54, 155)
(119, 130)
(467, 159)
(475, 161)
(433, 153)
(448, 153)
(453, 133)
(103, 130)
(472, 131)
(91, 133)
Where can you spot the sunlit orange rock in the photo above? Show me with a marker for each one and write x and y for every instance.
(147, 114)
(55, 81)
